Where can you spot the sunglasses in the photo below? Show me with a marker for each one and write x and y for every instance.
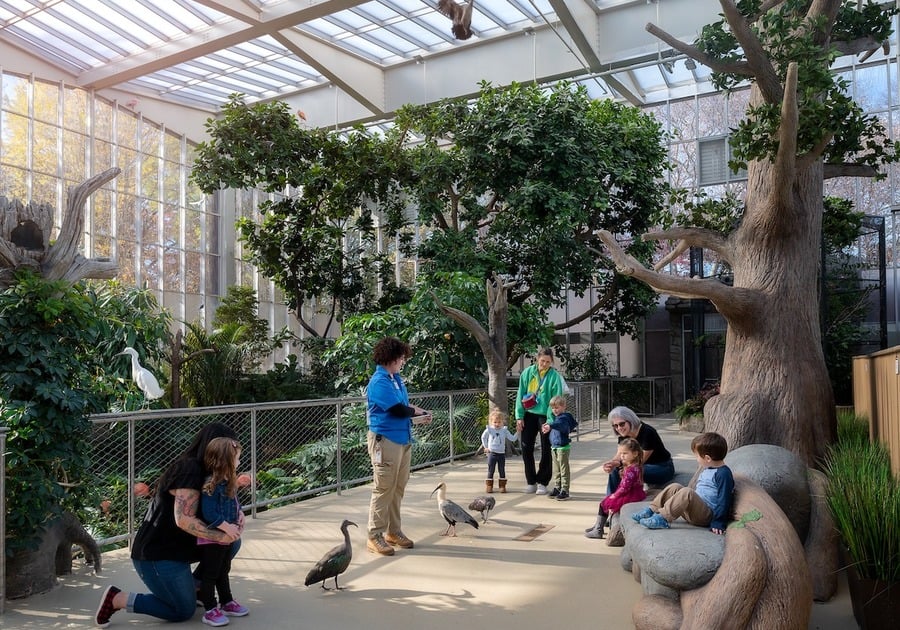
(619, 425)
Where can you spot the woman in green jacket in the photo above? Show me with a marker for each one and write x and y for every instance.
(538, 383)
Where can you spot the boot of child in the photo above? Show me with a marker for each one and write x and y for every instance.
(503, 486)
(596, 531)
(489, 485)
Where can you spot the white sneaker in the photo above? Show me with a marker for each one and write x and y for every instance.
(541, 489)
(530, 488)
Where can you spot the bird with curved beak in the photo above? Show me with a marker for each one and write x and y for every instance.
(451, 512)
(143, 377)
(483, 504)
(334, 562)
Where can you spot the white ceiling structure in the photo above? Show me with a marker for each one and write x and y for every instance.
(347, 61)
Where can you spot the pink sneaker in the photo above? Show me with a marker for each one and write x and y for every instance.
(214, 618)
(233, 609)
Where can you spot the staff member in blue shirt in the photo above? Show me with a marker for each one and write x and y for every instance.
(389, 438)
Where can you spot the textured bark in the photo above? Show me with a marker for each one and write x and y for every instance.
(822, 541)
(25, 231)
(775, 387)
(32, 572)
(763, 582)
(491, 341)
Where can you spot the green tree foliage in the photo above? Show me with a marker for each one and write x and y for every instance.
(57, 347)
(510, 188)
(214, 377)
(316, 241)
(239, 308)
(516, 183)
(444, 356)
(825, 104)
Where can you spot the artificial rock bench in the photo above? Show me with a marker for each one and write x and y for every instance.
(759, 574)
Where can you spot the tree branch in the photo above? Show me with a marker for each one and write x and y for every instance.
(785, 163)
(678, 250)
(63, 260)
(766, 77)
(868, 45)
(603, 301)
(816, 152)
(735, 67)
(694, 237)
(849, 170)
(825, 11)
(739, 306)
(469, 323)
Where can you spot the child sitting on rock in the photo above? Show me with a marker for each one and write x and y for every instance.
(708, 503)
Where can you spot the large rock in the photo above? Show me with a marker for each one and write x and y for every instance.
(683, 557)
(781, 474)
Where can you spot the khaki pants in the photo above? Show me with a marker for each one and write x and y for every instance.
(561, 467)
(676, 500)
(390, 480)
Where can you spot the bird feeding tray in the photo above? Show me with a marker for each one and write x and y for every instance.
(534, 533)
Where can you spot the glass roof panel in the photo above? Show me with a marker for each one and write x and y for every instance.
(122, 43)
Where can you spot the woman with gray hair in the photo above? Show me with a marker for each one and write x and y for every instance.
(658, 466)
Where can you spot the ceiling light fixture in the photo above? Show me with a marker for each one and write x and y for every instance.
(690, 64)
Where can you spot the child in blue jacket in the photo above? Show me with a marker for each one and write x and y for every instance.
(560, 444)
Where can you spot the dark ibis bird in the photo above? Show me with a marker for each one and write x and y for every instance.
(334, 562)
(483, 504)
(451, 512)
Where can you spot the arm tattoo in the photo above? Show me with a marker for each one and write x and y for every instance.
(186, 502)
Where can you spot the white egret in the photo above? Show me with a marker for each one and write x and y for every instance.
(143, 377)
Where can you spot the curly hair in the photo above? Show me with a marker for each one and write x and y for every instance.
(390, 349)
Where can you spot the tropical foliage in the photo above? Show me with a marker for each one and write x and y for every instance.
(58, 346)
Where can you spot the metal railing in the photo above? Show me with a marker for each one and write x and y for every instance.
(291, 450)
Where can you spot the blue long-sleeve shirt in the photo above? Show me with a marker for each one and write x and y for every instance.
(716, 487)
(384, 393)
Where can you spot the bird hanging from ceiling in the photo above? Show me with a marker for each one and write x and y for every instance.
(143, 377)
(483, 504)
(334, 562)
(451, 512)
(461, 16)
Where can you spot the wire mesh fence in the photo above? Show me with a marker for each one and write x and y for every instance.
(291, 450)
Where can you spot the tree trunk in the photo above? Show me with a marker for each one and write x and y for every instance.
(34, 571)
(491, 341)
(775, 387)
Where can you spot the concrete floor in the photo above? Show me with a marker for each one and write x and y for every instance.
(483, 578)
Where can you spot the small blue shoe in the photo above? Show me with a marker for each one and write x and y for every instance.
(645, 513)
(655, 522)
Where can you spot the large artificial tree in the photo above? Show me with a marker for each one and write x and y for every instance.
(801, 127)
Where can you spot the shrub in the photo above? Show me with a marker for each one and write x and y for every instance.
(694, 405)
(863, 496)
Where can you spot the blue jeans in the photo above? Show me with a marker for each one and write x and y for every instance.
(173, 591)
(172, 595)
(654, 474)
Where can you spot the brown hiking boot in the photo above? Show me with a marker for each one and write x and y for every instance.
(379, 546)
(399, 540)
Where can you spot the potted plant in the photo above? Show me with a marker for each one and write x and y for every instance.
(863, 496)
(690, 413)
